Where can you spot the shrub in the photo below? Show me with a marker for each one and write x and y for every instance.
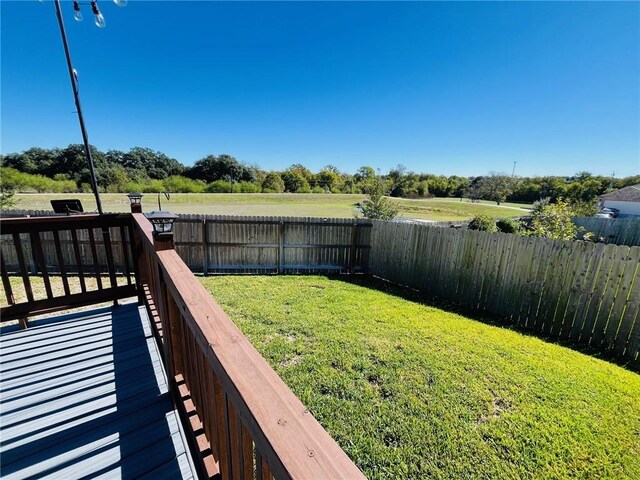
(484, 223)
(554, 221)
(220, 186)
(317, 189)
(179, 184)
(248, 187)
(508, 225)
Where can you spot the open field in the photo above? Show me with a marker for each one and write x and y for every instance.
(413, 391)
(303, 205)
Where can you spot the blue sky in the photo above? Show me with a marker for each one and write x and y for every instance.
(448, 88)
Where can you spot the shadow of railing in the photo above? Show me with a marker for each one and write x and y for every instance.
(109, 412)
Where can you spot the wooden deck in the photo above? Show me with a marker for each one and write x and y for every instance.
(86, 395)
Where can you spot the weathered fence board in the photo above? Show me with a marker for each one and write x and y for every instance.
(583, 291)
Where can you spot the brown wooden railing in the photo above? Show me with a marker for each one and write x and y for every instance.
(242, 412)
(23, 255)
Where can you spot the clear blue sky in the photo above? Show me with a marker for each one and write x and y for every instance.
(448, 88)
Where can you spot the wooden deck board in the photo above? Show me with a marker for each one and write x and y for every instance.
(85, 395)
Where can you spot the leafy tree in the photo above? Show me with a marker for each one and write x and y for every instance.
(154, 164)
(222, 167)
(328, 178)
(496, 187)
(365, 174)
(302, 171)
(273, 183)
(294, 182)
(377, 206)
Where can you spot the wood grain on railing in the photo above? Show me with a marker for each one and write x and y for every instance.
(255, 426)
(24, 239)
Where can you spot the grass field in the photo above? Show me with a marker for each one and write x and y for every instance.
(413, 391)
(304, 205)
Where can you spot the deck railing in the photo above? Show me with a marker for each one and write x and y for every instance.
(23, 255)
(253, 424)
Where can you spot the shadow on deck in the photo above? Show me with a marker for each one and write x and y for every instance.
(86, 395)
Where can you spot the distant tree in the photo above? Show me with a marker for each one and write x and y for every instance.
(273, 183)
(328, 178)
(222, 167)
(398, 179)
(295, 182)
(302, 171)
(496, 187)
(154, 164)
(473, 191)
(7, 192)
(364, 174)
(377, 206)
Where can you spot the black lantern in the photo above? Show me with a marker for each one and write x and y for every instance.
(162, 223)
(136, 202)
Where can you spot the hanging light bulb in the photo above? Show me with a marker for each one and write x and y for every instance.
(120, 3)
(77, 14)
(100, 21)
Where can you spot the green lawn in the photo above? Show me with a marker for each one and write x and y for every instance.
(304, 205)
(413, 391)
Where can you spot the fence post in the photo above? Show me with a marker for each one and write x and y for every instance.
(280, 247)
(205, 248)
(352, 251)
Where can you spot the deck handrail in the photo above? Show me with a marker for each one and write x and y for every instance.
(255, 425)
(22, 239)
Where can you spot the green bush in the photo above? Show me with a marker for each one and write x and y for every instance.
(179, 184)
(508, 225)
(220, 186)
(317, 189)
(484, 223)
(248, 187)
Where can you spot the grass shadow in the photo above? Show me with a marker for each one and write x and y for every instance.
(416, 296)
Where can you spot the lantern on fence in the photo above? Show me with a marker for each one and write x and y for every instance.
(136, 202)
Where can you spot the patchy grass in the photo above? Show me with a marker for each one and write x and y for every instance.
(303, 205)
(413, 391)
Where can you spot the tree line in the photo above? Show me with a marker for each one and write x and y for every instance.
(145, 170)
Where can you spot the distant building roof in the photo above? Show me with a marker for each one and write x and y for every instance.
(626, 194)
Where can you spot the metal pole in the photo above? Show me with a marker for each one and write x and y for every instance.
(74, 85)
(513, 173)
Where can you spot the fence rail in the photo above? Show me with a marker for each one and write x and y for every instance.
(585, 292)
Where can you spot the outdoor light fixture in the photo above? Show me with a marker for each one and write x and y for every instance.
(162, 222)
(100, 22)
(136, 202)
(77, 14)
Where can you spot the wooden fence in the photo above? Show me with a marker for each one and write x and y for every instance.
(243, 244)
(619, 231)
(579, 291)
